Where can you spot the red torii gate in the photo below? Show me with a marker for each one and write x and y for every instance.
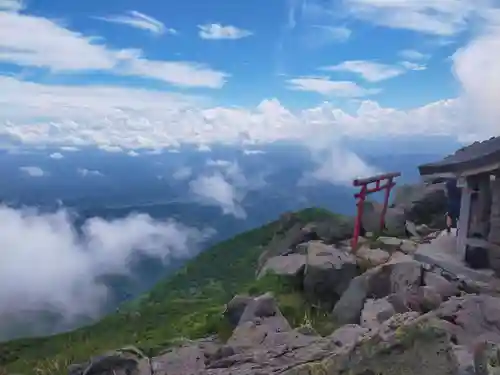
(388, 178)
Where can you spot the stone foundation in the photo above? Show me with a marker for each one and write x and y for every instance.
(494, 232)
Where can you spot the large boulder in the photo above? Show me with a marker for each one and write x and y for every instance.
(328, 272)
(285, 242)
(403, 345)
(290, 266)
(471, 318)
(423, 204)
(397, 276)
(126, 361)
(370, 219)
(235, 308)
(333, 230)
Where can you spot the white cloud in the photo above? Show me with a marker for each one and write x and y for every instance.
(368, 70)
(433, 17)
(411, 54)
(216, 31)
(185, 74)
(132, 153)
(69, 148)
(11, 5)
(224, 185)
(56, 155)
(32, 41)
(33, 171)
(36, 114)
(215, 190)
(140, 21)
(410, 65)
(327, 87)
(476, 68)
(253, 152)
(337, 166)
(182, 173)
(84, 172)
(53, 268)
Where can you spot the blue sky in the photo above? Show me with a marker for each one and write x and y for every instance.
(113, 73)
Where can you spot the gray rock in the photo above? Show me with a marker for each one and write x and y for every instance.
(235, 307)
(390, 243)
(370, 220)
(408, 247)
(465, 360)
(347, 335)
(395, 220)
(263, 306)
(443, 287)
(120, 362)
(471, 318)
(333, 230)
(284, 243)
(407, 348)
(369, 258)
(375, 312)
(328, 272)
(399, 275)
(179, 361)
(291, 266)
(423, 204)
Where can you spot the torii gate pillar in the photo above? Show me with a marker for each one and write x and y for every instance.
(388, 180)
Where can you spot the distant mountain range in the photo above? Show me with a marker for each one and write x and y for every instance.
(95, 183)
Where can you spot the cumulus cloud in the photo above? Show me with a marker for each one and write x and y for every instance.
(411, 54)
(217, 31)
(33, 171)
(60, 49)
(225, 185)
(182, 174)
(141, 21)
(338, 166)
(56, 269)
(215, 190)
(56, 155)
(84, 172)
(369, 70)
(327, 87)
(433, 17)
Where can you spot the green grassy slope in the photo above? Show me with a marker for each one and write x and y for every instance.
(188, 304)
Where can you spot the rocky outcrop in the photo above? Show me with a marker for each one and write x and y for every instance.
(328, 272)
(423, 204)
(397, 276)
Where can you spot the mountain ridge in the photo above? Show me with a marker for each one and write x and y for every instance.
(191, 299)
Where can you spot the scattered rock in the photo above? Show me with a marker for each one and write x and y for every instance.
(291, 266)
(370, 220)
(395, 219)
(400, 274)
(443, 287)
(235, 307)
(347, 335)
(369, 258)
(410, 349)
(375, 312)
(328, 272)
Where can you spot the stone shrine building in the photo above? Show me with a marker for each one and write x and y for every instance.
(477, 170)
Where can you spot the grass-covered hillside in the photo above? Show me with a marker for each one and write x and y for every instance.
(186, 305)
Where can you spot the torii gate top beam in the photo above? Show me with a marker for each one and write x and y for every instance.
(388, 179)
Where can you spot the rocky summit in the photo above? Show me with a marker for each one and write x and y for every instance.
(294, 298)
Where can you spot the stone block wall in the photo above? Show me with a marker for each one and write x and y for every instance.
(494, 232)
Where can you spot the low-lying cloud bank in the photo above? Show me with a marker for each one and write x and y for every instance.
(47, 265)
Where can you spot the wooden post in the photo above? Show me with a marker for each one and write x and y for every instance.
(464, 219)
(361, 196)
